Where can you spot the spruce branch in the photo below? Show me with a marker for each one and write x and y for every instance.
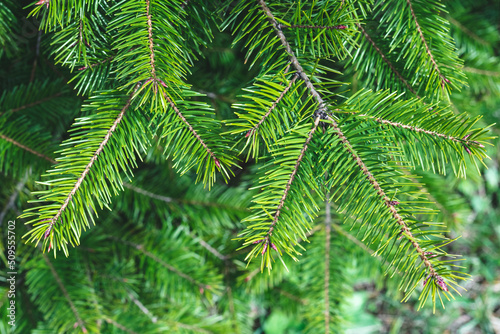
(348, 147)
(387, 61)
(143, 308)
(32, 104)
(164, 264)
(59, 282)
(28, 149)
(339, 27)
(150, 41)
(436, 67)
(119, 326)
(78, 183)
(191, 129)
(267, 240)
(273, 106)
(328, 231)
(293, 59)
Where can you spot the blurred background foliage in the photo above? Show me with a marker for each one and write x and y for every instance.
(172, 215)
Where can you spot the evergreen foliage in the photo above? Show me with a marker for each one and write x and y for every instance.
(200, 163)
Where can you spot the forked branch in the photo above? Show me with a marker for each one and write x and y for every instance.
(347, 145)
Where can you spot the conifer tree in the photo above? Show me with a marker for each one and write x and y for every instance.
(183, 166)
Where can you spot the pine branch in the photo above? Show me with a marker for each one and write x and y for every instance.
(273, 106)
(12, 198)
(311, 27)
(32, 104)
(150, 40)
(349, 148)
(143, 308)
(293, 59)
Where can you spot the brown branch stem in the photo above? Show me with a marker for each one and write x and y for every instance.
(29, 105)
(169, 267)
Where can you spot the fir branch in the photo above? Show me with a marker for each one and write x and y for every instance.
(417, 129)
(273, 106)
(12, 198)
(119, 326)
(193, 328)
(293, 297)
(347, 145)
(96, 64)
(38, 154)
(340, 230)
(167, 199)
(79, 320)
(191, 129)
(391, 66)
(328, 230)
(148, 194)
(289, 183)
(387, 201)
(29, 105)
(436, 67)
(92, 160)
(169, 267)
(209, 248)
(466, 30)
(293, 58)
(143, 308)
(481, 72)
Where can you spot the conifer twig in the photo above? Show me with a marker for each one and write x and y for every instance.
(436, 67)
(150, 41)
(171, 268)
(119, 326)
(328, 229)
(26, 148)
(290, 181)
(339, 27)
(191, 129)
(273, 106)
(65, 293)
(92, 160)
(391, 66)
(34, 103)
(417, 129)
(347, 145)
(143, 308)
